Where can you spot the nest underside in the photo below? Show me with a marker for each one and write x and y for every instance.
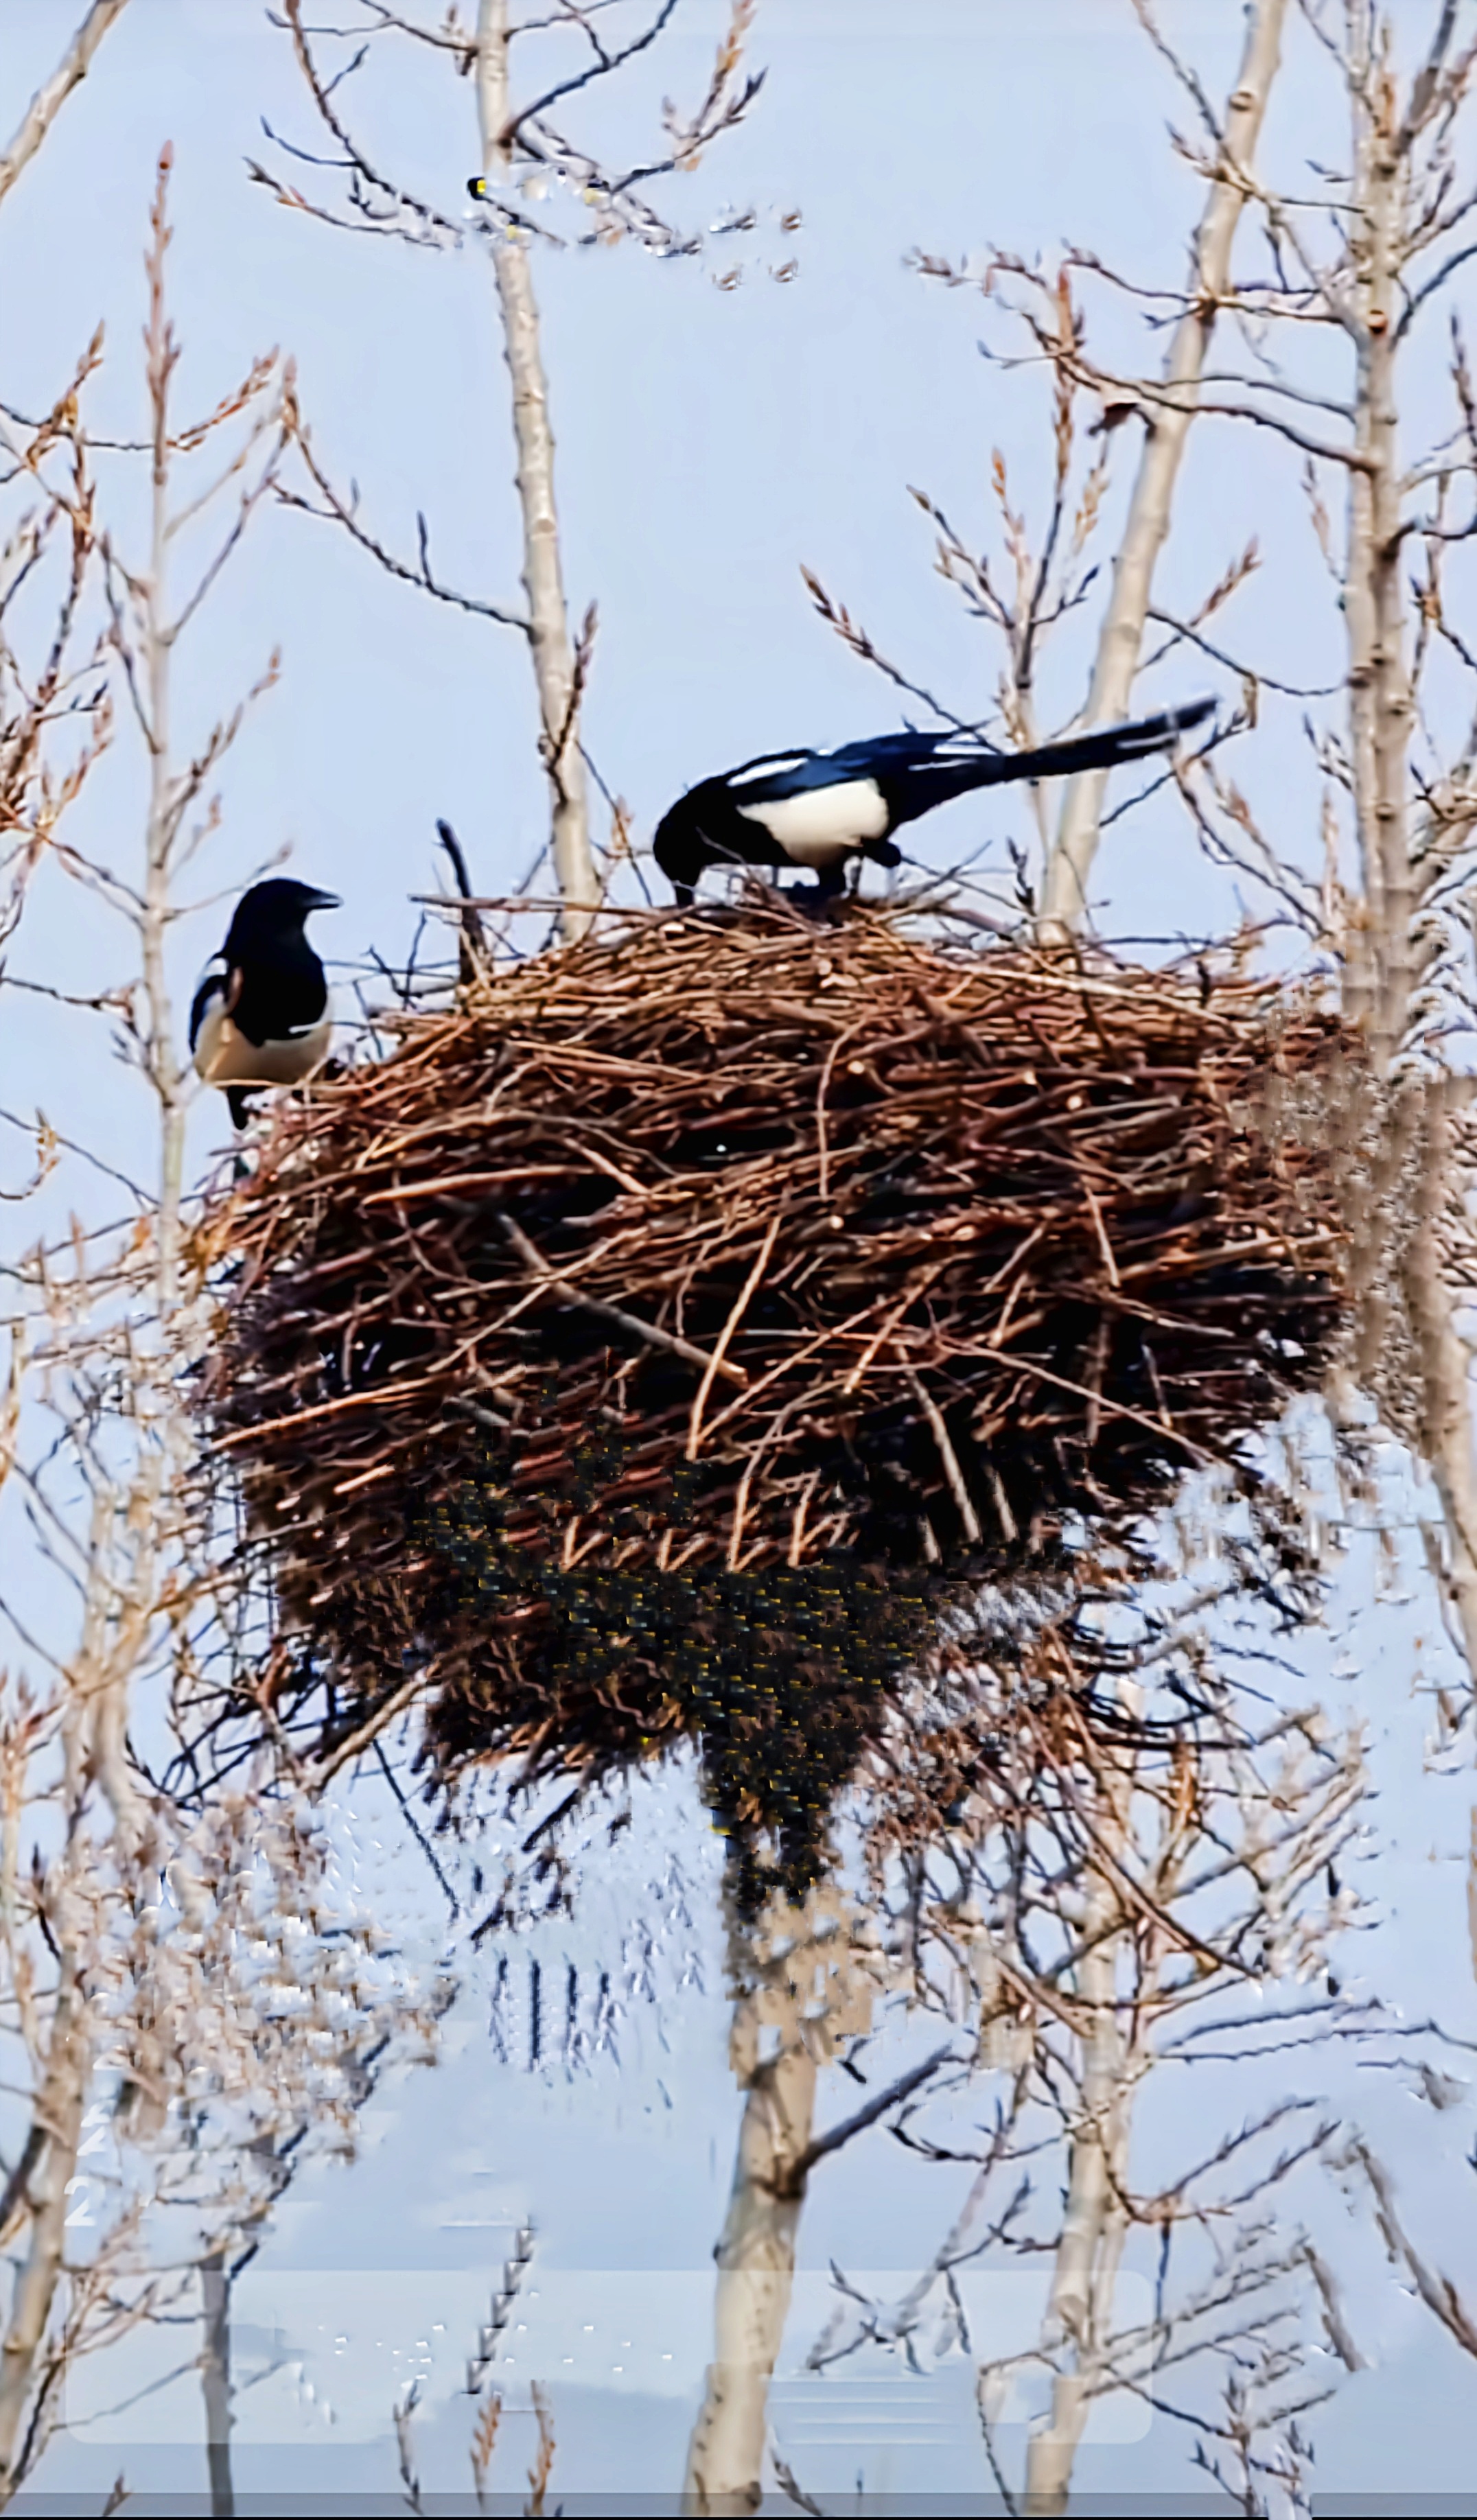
(686, 1312)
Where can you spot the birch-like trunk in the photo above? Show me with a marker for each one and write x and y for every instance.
(215, 2379)
(1093, 2223)
(543, 576)
(1380, 699)
(163, 1064)
(756, 2271)
(1382, 955)
(1080, 2312)
(1446, 1432)
(58, 2112)
(807, 1993)
(1121, 638)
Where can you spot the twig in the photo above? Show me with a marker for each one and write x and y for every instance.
(868, 2115)
(720, 1348)
(646, 1331)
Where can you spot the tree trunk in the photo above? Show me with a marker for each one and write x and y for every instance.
(543, 579)
(1064, 897)
(59, 2109)
(1416, 1132)
(1381, 706)
(215, 2377)
(757, 2268)
(1446, 1427)
(807, 1990)
(1093, 2223)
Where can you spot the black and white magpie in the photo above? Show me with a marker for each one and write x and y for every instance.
(825, 810)
(262, 1013)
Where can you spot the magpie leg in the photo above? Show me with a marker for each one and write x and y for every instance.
(829, 885)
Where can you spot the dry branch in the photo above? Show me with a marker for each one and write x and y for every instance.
(49, 99)
(1122, 632)
(554, 658)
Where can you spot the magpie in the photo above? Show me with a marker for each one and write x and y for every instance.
(825, 810)
(262, 1013)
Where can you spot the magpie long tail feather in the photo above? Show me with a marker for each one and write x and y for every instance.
(934, 782)
(1099, 749)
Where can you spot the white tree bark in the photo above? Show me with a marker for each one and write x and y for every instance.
(543, 578)
(809, 1990)
(1064, 895)
(1093, 2223)
(756, 2269)
(48, 101)
(1380, 702)
(59, 2110)
(1094, 2227)
(1381, 954)
(164, 1072)
(1446, 1429)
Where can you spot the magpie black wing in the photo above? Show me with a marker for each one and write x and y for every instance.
(774, 776)
(214, 984)
(884, 756)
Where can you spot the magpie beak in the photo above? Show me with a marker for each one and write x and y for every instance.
(825, 811)
(261, 1014)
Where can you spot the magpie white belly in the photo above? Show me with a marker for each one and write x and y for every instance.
(822, 825)
(224, 1057)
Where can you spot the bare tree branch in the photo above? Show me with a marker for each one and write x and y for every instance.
(599, 67)
(48, 101)
(553, 663)
(1121, 635)
(341, 513)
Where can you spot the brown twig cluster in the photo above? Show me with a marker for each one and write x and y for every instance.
(659, 1280)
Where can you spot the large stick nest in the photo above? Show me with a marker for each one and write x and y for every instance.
(730, 1275)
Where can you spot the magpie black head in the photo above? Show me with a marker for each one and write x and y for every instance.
(679, 851)
(272, 914)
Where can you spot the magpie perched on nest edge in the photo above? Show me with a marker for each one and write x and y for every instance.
(824, 811)
(261, 1014)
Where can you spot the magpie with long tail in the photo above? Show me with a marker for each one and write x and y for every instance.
(261, 1014)
(826, 811)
